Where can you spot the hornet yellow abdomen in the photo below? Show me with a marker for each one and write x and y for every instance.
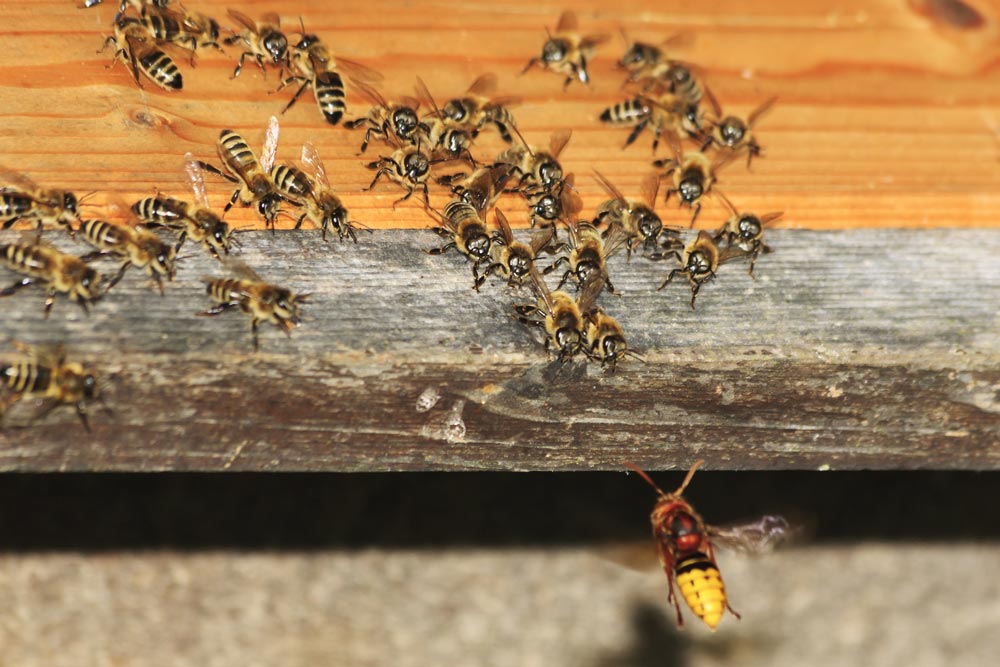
(701, 587)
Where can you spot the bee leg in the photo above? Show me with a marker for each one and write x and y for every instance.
(607, 283)
(239, 65)
(211, 168)
(531, 63)
(405, 197)
(697, 210)
(298, 93)
(694, 293)
(298, 224)
(733, 611)
(24, 282)
(81, 412)
(216, 310)
(118, 276)
(7, 223)
(232, 200)
(670, 277)
(443, 249)
(159, 282)
(634, 134)
(253, 332)
(378, 174)
(552, 267)
(709, 140)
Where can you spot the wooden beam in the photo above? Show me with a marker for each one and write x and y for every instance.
(853, 349)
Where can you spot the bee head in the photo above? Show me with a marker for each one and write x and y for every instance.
(634, 55)
(478, 244)
(647, 222)
(691, 187)
(454, 110)
(268, 206)
(89, 386)
(307, 41)
(69, 202)
(699, 264)
(613, 348)
(554, 50)
(405, 120)
(547, 207)
(286, 305)
(749, 228)
(416, 165)
(519, 264)
(568, 341)
(276, 44)
(549, 173)
(731, 131)
(678, 74)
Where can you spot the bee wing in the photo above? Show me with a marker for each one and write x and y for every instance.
(570, 200)
(614, 240)
(356, 72)
(710, 96)
(540, 288)
(310, 157)
(270, 150)
(770, 217)
(19, 181)
(753, 537)
(542, 238)
(508, 234)
(610, 188)
(590, 41)
(567, 22)
(485, 85)
(271, 18)
(424, 95)
(370, 94)
(240, 270)
(196, 179)
(649, 188)
(759, 111)
(411, 102)
(591, 289)
(243, 20)
(559, 140)
(729, 204)
(682, 39)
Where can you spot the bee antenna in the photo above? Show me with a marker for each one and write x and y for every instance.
(642, 473)
(86, 197)
(687, 478)
(521, 137)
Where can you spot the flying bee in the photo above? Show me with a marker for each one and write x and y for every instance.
(587, 259)
(745, 231)
(537, 169)
(511, 258)
(314, 66)
(196, 221)
(699, 260)
(559, 315)
(25, 199)
(46, 375)
(262, 40)
(669, 113)
(409, 166)
(256, 185)
(263, 301)
(693, 175)
(732, 133)
(636, 219)
(479, 106)
(464, 227)
(395, 123)
(324, 208)
(448, 140)
(481, 188)
(135, 47)
(566, 52)
(52, 269)
(684, 543)
(135, 246)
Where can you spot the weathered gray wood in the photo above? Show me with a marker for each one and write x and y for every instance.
(874, 348)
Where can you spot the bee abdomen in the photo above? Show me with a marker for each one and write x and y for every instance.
(329, 90)
(701, 587)
(26, 377)
(158, 210)
(162, 70)
(102, 234)
(13, 205)
(291, 181)
(627, 112)
(236, 150)
(225, 290)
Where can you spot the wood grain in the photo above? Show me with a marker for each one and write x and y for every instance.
(887, 116)
(853, 349)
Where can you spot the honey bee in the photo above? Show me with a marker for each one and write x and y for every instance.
(263, 301)
(693, 175)
(699, 260)
(745, 231)
(636, 219)
(732, 133)
(256, 185)
(537, 169)
(196, 221)
(559, 315)
(134, 246)
(448, 140)
(25, 199)
(395, 123)
(641, 59)
(588, 255)
(479, 106)
(685, 542)
(604, 338)
(463, 226)
(566, 52)
(135, 47)
(314, 66)
(409, 166)
(52, 269)
(324, 208)
(481, 188)
(262, 40)
(46, 375)
(667, 114)
(511, 258)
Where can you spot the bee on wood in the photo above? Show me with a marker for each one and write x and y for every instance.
(699, 260)
(481, 188)
(134, 246)
(480, 106)
(196, 220)
(23, 199)
(692, 174)
(669, 113)
(745, 231)
(537, 169)
(464, 227)
(313, 66)
(52, 269)
(566, 52)
(636, 219)
(546, 208)
(731, 133)
(323, 207)
(559, 315)
(587, 259)
(136, 48)
(396, 123)
(685, 543)
(45, 374)
(448, 140)
(513, 259)
(679, 79)
(604, 338)
(262, 40)
(256, 184)
(409, 166)
(263, 301)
